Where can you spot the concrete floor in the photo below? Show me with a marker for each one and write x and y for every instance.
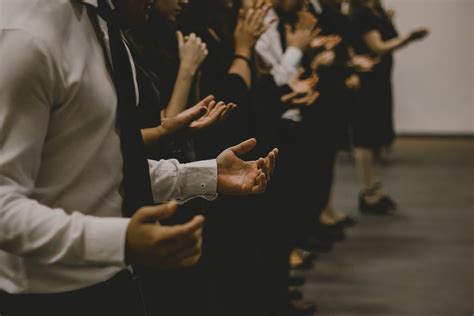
(421, 260)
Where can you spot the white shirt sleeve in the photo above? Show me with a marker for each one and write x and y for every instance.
(182, 182)
(28, 228)
(284, 65)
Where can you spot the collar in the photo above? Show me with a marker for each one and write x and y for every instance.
(317, 6)
(95, 3)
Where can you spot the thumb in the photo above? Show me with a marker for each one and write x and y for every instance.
(244, 147)
(180, 38)
(151, 214)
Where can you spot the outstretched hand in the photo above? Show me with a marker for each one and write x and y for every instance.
(238, 177)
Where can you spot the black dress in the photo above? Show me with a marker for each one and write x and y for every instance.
(373, 121)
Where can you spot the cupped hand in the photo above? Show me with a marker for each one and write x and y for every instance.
(151, 244)
(239, 177)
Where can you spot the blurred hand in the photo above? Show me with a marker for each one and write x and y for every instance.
(418, 34)
(363, 63)
(250, 26)
(192, 52)
(325, 58)
(195, 119)
(238, 177)
(353, 83)
(304, 33)
(166, 247)
(216, 112)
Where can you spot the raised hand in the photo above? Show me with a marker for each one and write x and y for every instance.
(238, 177)
(304, 33)
(418, 34)
(328, 42)
(250, 26)
(325, 58)
(303, 90)
(167, 247)
(192, 51)
(363, 63)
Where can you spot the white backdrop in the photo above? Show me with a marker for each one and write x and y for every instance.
(434, 79)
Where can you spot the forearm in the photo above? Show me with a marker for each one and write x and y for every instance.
(384, 47)
(51, 236)
(151, 136)
(241, 67)
(181, 90)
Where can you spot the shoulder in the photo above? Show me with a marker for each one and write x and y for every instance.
(44, 21)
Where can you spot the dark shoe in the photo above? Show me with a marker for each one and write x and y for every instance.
(390, 202)
(382, 207)
(347, 222)
(295, 294)
(297, 281)
(330, 233)
(317, 245)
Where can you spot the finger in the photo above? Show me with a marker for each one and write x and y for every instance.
(260, 184)
(244, 147)
(206, 101)
(152, 214)
(179, 246)
(271, 162)
(190, 249)
(192, 36)
(180, 38)
(218, 111)
(262, 164)
(230, 107)
(287, 97)
(189, 262)
(213, 106)
(198, 41)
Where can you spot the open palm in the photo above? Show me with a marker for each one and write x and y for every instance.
(239, 177)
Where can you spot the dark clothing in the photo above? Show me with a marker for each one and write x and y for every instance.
(117, 296)
(373, 123)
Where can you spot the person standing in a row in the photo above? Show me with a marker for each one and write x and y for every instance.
(373, 123)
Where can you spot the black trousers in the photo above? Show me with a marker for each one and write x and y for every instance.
(117, 296)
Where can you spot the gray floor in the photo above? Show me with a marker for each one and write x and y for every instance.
(418, 262)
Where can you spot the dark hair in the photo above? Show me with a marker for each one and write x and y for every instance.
(201, 14)
(358, 5)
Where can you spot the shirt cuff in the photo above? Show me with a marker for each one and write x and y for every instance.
(104, 239)
(292, 56)
(200, 180)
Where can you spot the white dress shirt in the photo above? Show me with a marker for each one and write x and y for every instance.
(284, 65)
(60, 161)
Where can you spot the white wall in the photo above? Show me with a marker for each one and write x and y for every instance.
(434, 79)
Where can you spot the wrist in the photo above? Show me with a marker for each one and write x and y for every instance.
(187, 71)
(243, 51)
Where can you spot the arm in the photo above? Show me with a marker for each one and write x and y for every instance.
(282, 69)
(192, 52)
(27, 228)
(374, 41)
(250, 26)
(171, 180)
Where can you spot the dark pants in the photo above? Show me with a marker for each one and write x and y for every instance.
(117, 296)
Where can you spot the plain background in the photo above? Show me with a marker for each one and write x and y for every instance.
(433, 79)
